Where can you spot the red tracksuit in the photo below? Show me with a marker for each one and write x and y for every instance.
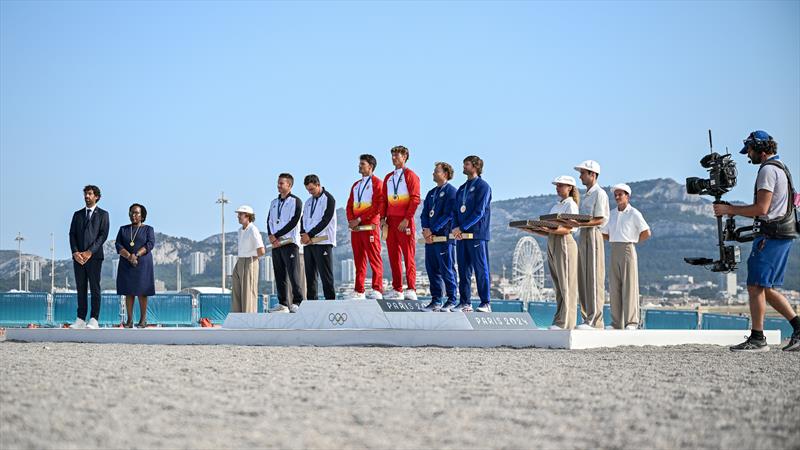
(366, 202)
(402, 199)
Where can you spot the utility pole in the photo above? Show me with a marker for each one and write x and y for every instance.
(52, 264)
(222, 201)
(19, 240)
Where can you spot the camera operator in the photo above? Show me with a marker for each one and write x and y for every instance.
(773, 204)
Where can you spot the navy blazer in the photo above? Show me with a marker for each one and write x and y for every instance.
(89, 236)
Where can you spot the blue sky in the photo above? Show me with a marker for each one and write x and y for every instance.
(169, 103)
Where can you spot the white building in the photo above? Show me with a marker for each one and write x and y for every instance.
(728, 284)
(198, 263)
(34, 270)
(230, 263)
(348, 271)
(267, 272)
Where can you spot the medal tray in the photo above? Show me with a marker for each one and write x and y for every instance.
(528, 224)
(576, 217)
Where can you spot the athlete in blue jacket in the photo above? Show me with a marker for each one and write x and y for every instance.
(437, 221)
(472, 214)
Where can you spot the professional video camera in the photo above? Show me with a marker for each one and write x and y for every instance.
(721, 179)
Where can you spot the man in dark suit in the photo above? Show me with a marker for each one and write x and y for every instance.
(87, 234)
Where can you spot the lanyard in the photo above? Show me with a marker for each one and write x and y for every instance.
(436, 195)
(314, 204)
(397, 184)
(464, 194)
(280, 207)
(360, 191)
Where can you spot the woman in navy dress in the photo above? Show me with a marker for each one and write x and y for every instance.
(135, 271)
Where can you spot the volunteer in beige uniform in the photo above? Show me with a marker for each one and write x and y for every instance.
(245, 273)
(624, 229)
(591, 254)
(562, 255)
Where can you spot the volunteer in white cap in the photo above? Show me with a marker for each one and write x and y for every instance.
(591, 254)
(624, 229)
(245, 273)
(562, 255)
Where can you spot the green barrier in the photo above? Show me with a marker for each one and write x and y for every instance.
(19, 309)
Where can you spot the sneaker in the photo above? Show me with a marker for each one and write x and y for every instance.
(484, 307)
(794, 343)
(449, 306)
(751, 345)
(92, 324)
(410, 294)
(609, 327)
(375, 295)
(79, 324)
(585, 326)
(279, 309)
(463, 307)
(293, 308)
(555, 327)
(393, 295)
(632, 327)
(433, 306)
(359, 296)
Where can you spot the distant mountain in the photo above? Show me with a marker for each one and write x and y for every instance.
(682, 225)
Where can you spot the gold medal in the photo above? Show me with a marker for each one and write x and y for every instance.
(463, 209)
(395, 197)
(131, 244)
(357, 205)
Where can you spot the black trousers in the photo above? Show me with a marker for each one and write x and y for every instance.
(87, 277)
(286, 263)
(319, 259)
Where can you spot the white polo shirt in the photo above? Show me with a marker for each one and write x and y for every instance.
(565, 206)
(625, 226)
(250, 241)
(595, 203)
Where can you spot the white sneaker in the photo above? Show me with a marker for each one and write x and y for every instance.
(632, 327)
(279, 309)
(585, 326)
(484, 308)
(78, 324)
(555, 327)
(358, 296)
(609, 327)
(410, 294)
(375, 295)
(393, 295)
(293, 308)
(92, 324)
(463, 307)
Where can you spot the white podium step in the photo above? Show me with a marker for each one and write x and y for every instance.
(397, 323)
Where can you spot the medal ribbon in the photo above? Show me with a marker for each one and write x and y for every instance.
(397, 184)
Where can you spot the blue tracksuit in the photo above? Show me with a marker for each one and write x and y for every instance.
(437, 216)
(474, 198)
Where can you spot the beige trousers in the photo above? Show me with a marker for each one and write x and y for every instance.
(623, 285)
(591, 276)
(562, 259)
(245, 285)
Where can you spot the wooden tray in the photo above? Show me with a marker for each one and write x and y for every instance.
(575, 217)
(531, 224)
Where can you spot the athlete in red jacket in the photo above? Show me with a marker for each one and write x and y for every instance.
(364, 207)
(402, 198)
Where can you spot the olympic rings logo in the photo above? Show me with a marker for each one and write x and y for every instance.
(337, 318)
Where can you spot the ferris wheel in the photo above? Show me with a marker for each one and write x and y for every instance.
(528, 269)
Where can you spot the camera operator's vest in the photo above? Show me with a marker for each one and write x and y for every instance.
(786, 227)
